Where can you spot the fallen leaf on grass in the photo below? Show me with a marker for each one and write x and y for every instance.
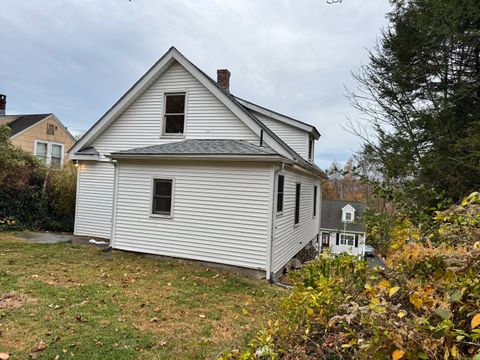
(201, 316)
(475, 321)
(163, 343)
(397, 354)
(4, 356)
(41, 345)
(154, 319)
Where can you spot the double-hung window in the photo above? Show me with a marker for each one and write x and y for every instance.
(280, 189)
(56, 155)
(311, 147)
(347, 239)
(297, 202)
(162, 199)
(174, 117)
(49, 153)
(41, 151)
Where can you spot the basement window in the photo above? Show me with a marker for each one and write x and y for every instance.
(174, 118)
(162, 197)
(281, 186)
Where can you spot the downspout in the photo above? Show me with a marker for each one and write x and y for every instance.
(114, 204)
(274, 216)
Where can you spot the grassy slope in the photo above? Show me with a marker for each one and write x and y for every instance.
(85, 304)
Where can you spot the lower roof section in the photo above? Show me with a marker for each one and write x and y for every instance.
(202, 147)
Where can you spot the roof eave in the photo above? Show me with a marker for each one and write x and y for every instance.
(235, 157)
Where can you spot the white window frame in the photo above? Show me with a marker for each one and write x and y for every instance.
(347, 213)
(49, 151)
(297, 224)
(348, 209)
(164, 109)
(152, 189)
(311, 154)
(345, 239)
(283, 196)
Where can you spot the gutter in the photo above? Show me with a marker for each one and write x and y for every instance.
(198, 157)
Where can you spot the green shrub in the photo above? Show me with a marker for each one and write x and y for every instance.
(31, 195)
(424, 305)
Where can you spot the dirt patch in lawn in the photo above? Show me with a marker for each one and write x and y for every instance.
(12, 301)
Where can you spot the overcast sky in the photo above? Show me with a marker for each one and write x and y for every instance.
(75, 58)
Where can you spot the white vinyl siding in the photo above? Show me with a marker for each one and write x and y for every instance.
(141, 123)
(93, 215)
(290, 238)
(294, 137)
(220, 214)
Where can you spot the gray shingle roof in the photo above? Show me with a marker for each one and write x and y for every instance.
(22, 122)
(331, 215)
(88, 151)
(202, 147)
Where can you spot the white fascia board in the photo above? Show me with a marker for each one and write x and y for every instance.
(74, 156)
(279, 117)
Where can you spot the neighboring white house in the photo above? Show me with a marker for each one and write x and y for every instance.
(342, 227)
(181, 167)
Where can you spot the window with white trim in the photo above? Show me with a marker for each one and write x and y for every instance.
(280, 189)
(348, 217)
(311, 147)
(174, 117)
(297, 202)
(41, 151)
(162, 198)
(49, 153)
(347, 239)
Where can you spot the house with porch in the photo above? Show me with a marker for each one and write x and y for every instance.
(342, 227)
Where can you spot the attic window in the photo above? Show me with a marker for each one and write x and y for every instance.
(348, 217)
(50, 129)
(174, 119)
(348, 214)
(310, 148)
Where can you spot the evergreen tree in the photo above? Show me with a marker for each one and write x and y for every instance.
(421, 94)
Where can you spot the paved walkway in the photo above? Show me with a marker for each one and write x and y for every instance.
(54, 238)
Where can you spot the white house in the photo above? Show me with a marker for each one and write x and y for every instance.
(181, 167)
(342, 227)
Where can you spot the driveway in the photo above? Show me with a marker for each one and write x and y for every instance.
(375, 261)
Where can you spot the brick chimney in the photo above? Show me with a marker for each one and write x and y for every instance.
(3, 104)
(223, 79)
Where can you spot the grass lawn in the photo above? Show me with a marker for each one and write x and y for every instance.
(77, 302)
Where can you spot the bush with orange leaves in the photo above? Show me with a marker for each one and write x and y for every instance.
(424, 305)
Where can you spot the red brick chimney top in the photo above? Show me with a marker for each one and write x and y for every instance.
(223, 79)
